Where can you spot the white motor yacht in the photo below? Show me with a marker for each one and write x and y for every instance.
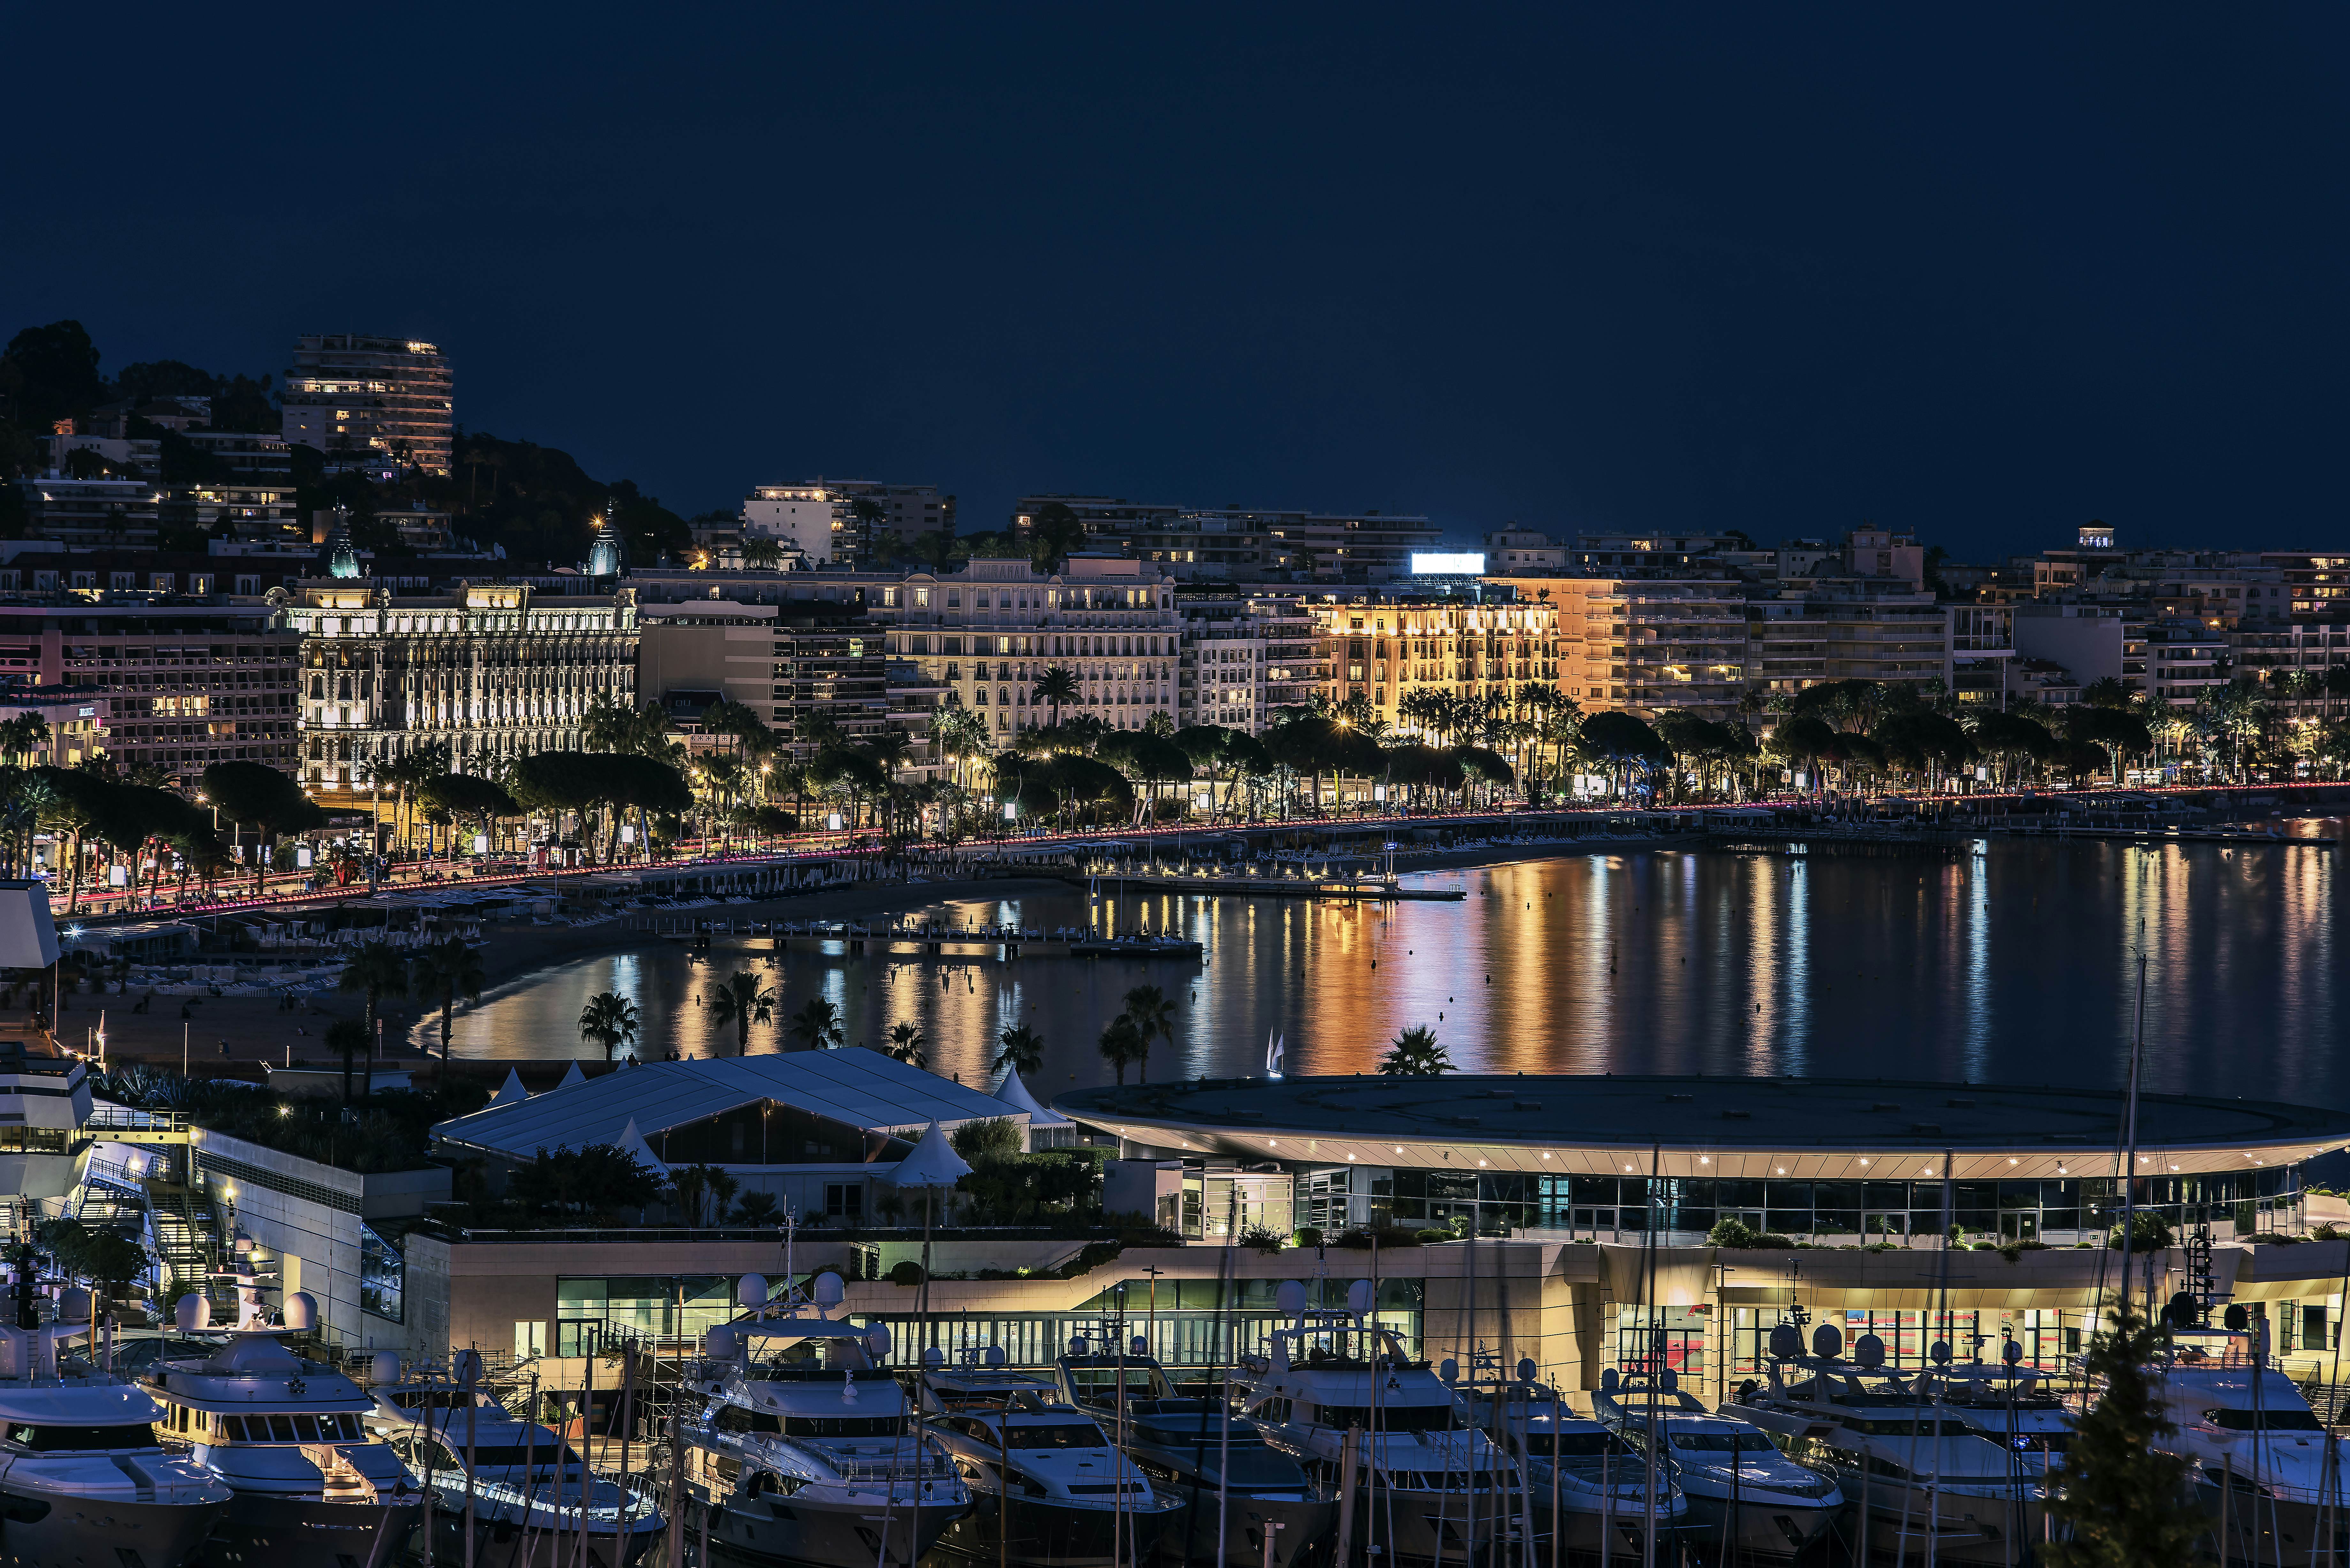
(1922, 1476)
(1198, 1450)
(1581, 1478)
(83, 1478)
(1373, 1425)
(311, 1486)
(2262, 1454)
(1745, 1499)
(1047, 1487)
(533, 1496)
(808, 1451)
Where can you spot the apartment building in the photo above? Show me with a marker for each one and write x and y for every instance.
(348, 395)
(820, 518)
(1643, 643)
(982, 635)
(1524, 553)
(91, 510)
(1246, 544)
(1846, 628)
(2185, 660)
(490, 670)
(179, 686)
(2317, 584)
(1623, 554)
(1382, 649)
(1245, 658)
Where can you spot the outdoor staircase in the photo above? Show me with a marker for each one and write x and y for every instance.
(111, 1197)
(188, 1237)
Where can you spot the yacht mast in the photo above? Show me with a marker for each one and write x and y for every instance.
(2129, 1138)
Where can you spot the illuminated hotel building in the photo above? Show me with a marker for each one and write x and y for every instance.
(1379, 649)
(486, 670)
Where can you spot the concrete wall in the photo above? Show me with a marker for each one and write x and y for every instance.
(2088, 647)
(306, 1217)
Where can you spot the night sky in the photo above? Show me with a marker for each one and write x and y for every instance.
(1982, 273)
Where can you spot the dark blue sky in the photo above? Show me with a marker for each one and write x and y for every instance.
(1986, 274)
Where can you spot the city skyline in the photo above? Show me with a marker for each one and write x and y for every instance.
(1571, 274)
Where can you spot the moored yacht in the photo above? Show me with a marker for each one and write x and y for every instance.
(311, 1486)
(808, 1452)
(1922, 1476)
(1584, 1483)
(1047, 1487)
(2260, 1453)
(1371, 1424)
(536, 1502)
(1198, 1450)
(82, 1477)
(1745, 1497)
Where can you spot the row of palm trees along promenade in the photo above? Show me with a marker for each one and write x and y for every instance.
(635, 792)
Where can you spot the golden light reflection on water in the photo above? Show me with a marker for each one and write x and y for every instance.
(2016, 965)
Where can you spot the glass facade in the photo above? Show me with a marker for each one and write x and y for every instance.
(592, 1308)
(1612, 1207)
(1188, 1323)
(383, 1275)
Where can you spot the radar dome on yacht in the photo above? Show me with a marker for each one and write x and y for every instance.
(719, 1344)
(1079, 1345)
(73, 1306)
(1359, 1297)
(383, 1367)
(1290, 1298)
(194, 1315)
(933, 1356)
(465, 1367)
(1827, 1341)
(300, 1311)
(752, 1291)
(1608, 1380)
(1526, 1369)
(995, 1355)
(1141, 1346)
(1786, 1343)
(1868, 1352)
(877, 1340)
(827, 1291)
(1449, 1370)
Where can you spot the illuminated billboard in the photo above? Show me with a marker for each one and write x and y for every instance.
(1459, 564)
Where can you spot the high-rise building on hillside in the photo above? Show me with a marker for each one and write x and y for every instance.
(356, 397)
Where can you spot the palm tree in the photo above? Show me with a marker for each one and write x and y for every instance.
(1122, 1043)
(742, 1002)
(1152, 1014)
(451, 967)
(906, 1045)
(379, 969)
(349, 1036)
(1023, 1053)
(609, 1019)
(1416, 1054)
(816, 1026)
(1056, 685)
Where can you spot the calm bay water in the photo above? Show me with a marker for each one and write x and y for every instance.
(2017, 965)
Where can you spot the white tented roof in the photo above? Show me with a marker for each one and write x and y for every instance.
(934, 1163)
(862, 1088)
(1014, 1092)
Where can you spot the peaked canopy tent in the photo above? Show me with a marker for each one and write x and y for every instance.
(853, 1106)
(1048, 1128)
